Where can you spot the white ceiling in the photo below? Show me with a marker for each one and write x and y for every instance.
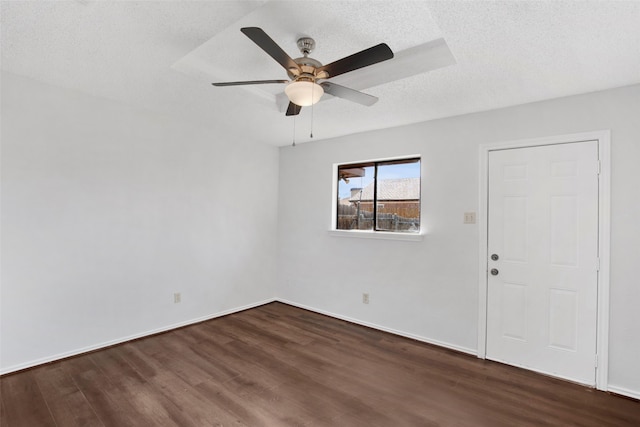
(162, 55)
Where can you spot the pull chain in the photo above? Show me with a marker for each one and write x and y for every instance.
(294, 132)
(312, 88)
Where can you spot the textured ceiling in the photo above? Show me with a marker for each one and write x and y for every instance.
(162, 55)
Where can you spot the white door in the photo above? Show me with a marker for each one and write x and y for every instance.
(543, 230)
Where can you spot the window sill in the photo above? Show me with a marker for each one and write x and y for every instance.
(382, 235)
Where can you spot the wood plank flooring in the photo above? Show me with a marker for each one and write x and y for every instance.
(277, 365)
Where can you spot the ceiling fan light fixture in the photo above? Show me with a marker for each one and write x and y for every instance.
(304, 93)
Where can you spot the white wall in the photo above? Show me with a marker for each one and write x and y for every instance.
(429, 289)
(108, 210)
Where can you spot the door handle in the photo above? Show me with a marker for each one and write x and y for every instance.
(494, 271)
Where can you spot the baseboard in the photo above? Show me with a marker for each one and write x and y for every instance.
(106, 344)
(383, 328)
(624, 392)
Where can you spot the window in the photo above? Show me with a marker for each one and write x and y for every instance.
(379, 196)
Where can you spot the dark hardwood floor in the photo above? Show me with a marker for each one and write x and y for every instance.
(277, 365)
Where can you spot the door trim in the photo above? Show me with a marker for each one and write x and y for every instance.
(602, 330)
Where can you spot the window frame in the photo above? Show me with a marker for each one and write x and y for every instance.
(375, 234)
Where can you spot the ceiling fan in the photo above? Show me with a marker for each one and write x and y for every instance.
(308, 76)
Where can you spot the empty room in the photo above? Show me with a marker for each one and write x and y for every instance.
(327, 213)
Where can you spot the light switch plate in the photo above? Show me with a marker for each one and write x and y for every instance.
(469, 218)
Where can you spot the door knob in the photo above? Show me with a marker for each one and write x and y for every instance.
(494, 271)
(495, 257)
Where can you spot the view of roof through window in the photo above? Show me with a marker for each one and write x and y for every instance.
(393, 185)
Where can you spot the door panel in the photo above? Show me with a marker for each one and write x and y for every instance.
(514, 229)
(514, 308)
(543, 225)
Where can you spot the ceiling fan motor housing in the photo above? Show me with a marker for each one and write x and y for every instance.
(308, 66)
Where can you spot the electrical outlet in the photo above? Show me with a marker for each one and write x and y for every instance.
(365, 298)
(177, 297)
(469, 218)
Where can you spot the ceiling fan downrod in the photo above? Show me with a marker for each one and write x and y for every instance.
(306, 45)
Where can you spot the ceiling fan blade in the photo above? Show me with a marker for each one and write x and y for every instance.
(348, 94)
(364, 58)
(250, 82)
(259, 37)
(420, 59)
(293, 109)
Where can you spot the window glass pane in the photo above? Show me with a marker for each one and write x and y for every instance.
(355, 197)
(379, 196)
(398, 196)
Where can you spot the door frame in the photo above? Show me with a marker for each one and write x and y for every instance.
(602, 329)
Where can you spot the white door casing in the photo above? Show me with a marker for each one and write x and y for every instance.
(546, 217)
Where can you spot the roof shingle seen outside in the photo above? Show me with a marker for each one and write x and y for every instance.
(391, 189)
